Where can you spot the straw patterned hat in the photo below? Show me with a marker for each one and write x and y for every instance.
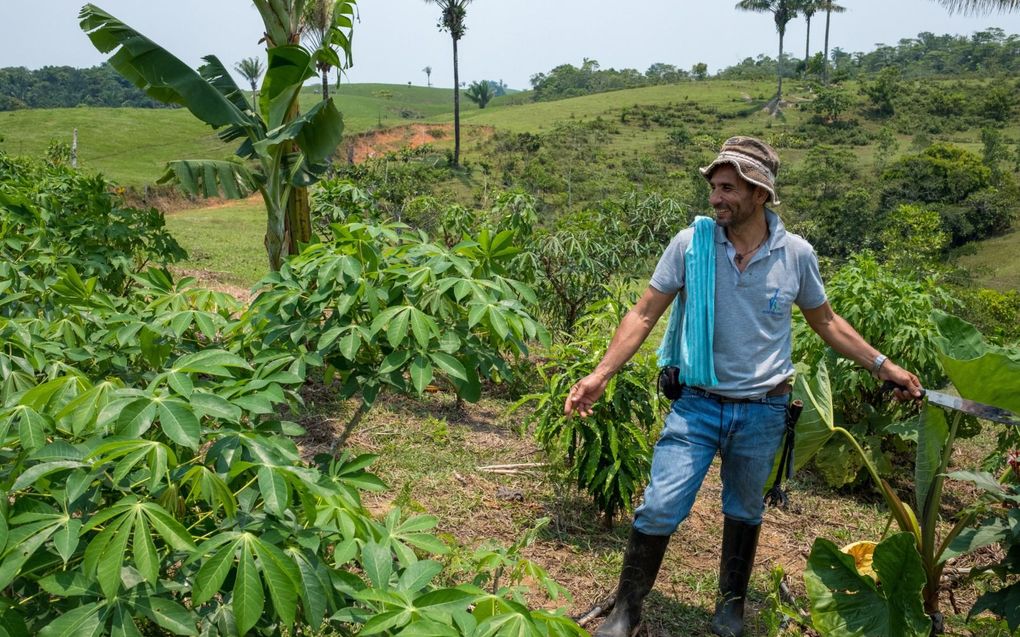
(756, 161)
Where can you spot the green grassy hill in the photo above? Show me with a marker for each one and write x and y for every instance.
(132, 145)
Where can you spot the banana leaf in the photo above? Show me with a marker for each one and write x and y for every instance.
(159, 74)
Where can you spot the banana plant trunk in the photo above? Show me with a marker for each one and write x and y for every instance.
(325, 83)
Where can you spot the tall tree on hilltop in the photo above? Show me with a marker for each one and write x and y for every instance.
(830, 8)
(782, 12)
(428, 74)
(980, 6)
(327, 26)
(809, 8)
(251, 69)
(452, 21)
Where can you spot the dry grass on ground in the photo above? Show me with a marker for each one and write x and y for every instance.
(431, 454)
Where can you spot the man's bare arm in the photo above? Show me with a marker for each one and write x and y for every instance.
(842, 337)
(631, 333)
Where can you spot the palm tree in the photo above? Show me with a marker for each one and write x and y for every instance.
(830, 8)
(980, 6)
(452, 20)
(251, 69)
(428, 74)
(809, 8)
(480, 93)
(782, 12)
(322, 22)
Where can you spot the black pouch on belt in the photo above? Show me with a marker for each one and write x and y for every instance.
(669, 382)
(775, 496)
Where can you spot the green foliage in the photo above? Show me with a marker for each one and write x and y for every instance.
(567, 80)
(828, 205)
(67, 87)
(53, 217)
(845, 603)
(892, 312)
(480, 93)
(958, 184)
(152, 484)
(883, 91)
(913, 240)
(979, 371)
(608, 454)
(832, 102)
(385, 308)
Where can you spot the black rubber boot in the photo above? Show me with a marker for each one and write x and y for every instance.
(641, 564)
(740, 541)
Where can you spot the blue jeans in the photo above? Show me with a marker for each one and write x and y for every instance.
(747, 436)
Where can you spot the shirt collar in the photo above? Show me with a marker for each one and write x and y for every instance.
(777, 231)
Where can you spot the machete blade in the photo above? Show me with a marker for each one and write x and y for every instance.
(981, 410)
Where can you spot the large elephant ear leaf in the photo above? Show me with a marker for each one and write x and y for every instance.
(979, 371)
(155, 71)
(845, 603)
(207, 178)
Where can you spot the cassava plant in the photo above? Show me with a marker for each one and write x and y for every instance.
(387, 309)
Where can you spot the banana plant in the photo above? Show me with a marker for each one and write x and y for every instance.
(282, 151)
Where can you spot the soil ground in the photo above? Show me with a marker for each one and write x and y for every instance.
(433, 454)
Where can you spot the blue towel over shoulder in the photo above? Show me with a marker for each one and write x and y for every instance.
(688, 341)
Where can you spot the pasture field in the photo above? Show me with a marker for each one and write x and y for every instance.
(132, 145)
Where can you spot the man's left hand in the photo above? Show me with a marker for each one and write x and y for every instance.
(892, 372)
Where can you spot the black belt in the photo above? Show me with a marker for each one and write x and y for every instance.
(781, 389)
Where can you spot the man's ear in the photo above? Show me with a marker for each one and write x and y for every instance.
(760, 195)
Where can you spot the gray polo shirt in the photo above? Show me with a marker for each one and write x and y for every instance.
(753, 308)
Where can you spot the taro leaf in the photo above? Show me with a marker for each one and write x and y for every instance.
(991, 531)
(838, 463)
(932, 433)
(979, 371)
(845, 603)
(1004, 602)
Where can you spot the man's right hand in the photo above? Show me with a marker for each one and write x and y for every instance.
(584, 394)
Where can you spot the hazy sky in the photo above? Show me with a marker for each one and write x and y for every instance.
(506, 39)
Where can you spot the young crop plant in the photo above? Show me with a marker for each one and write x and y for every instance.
(608, 454)
(152, 486)
(388, 310)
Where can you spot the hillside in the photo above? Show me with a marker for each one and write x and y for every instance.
(132, 145)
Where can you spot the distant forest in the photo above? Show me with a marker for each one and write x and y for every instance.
(985, 53)
(65, 87)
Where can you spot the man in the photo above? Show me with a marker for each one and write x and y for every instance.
(760, 271)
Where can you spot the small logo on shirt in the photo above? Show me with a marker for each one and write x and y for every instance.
(773, 307)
